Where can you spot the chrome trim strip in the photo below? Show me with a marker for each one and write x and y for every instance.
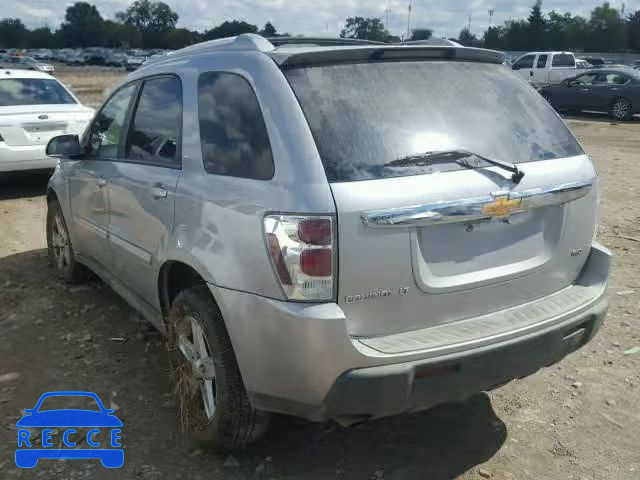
(469, 209)
(93, 228)
(131, 248)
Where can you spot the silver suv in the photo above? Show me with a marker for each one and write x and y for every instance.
(334, 232)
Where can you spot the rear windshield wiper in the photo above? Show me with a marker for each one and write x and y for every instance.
(458, 156)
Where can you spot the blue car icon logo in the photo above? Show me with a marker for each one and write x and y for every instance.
(30, 451)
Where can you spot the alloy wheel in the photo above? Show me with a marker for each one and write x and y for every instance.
(60, 243)
(193, 345)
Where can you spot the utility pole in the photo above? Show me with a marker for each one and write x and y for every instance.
(491, 12)
(469, 27)
(409, 22)
(387, 11)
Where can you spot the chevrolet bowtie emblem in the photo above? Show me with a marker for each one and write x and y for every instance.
(502, 206)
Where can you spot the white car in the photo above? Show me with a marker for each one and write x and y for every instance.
(546, 68)
(35, 107)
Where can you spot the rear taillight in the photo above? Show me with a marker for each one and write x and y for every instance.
(302, 251)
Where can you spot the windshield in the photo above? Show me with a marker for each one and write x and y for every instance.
(32, 91)
(366, 115)
(65, 402)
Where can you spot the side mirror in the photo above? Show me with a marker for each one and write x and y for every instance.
(515, 67)
(64, 146)
(28, 411)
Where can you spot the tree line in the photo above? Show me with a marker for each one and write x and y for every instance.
(606, 30)
(145, 24)
(148, 24)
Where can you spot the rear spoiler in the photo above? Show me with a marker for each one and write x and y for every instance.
(361, 54)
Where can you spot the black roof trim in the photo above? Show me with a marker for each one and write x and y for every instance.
(292, 59)
(320, 41)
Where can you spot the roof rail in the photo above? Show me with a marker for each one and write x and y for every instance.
(320, 41)
(246, 42)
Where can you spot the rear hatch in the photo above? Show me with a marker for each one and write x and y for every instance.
(438, 241)
(37, 124)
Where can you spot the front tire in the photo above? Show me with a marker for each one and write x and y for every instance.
(213, 403)
(620, 109)
(59, 248)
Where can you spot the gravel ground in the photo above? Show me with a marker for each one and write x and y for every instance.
(575, 421)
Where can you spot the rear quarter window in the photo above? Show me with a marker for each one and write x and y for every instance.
(233, 135)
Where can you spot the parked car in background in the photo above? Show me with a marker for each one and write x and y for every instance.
(544, 68)
(615, 91)
(134, 62)
(75, 58)
(469, 271)
(596, 62)
(95, 56)
(582, 64)
(26, 63)
(34, 107)
(116, 59)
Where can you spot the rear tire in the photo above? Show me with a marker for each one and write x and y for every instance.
(620, 109)
(59, 248)
(213, 403)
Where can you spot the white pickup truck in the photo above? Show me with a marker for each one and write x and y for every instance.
(545, 68)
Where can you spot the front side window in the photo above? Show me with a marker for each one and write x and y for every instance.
(365, 116)
(564, 60)
(32, 91)
(524, 62)
(233, 135)
(106, 131)
(156, 125)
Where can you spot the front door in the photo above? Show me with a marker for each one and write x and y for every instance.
(143, 185)
(88, 178)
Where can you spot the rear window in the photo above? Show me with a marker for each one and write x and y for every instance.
(564, 60)
(32, 91)
(365, 115)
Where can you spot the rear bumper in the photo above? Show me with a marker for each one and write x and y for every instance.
(299, 359)
(28, 157)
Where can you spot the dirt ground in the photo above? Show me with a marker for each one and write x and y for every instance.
(578, 420)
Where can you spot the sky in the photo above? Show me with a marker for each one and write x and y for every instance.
(324, 17)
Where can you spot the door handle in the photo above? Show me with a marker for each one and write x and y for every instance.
(159, 192)
(102, 182)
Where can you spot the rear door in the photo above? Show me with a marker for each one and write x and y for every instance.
(540, 70)
(434, 242)
(143, 184)
(563, 65)
(607, 87)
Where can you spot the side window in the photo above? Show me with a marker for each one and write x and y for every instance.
(106, 130)
(233, 135)
(563, 60)
(156, 125)
(524, 62)
(542, 61)
(586, 79)
(616, 79)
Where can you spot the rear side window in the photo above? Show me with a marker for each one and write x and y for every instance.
(154, 135)
(233, 135)
(542, 61)
(364, 116)
(563, 60)
(524, 62)
(32, 91)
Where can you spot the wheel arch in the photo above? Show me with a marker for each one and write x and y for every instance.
(174, 276)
